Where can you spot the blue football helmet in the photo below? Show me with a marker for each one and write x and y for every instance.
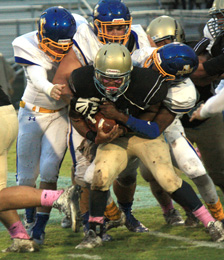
(174, 60)
(56, 28)
(108, 13)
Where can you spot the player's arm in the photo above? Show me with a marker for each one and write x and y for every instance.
(201, 77)
(212, 67)
(212, 106)
(38, 76)
(149, 123)
(80, 124)
(163, 117)
(67, 65)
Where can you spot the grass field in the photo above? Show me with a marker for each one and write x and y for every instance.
(162, 242)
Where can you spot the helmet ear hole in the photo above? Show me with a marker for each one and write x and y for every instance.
(56, 28)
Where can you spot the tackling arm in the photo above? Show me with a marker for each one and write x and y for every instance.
(201, 76)
(67, 65)
(150, 123)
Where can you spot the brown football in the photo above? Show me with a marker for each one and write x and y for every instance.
(107, 124)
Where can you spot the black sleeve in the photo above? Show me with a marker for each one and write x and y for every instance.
(214, 66)
(218, 45)
(200, 46)
(80, 79)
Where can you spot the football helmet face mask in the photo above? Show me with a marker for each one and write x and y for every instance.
(56, 28)
(165, 27)
(108, 13)
(174, 61)
(113, 66)
(216, 25)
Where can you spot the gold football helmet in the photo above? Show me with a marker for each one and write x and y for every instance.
(216, 25)
(113, 66)
(165, 27)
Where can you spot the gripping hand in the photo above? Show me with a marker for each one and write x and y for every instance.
(87, 107)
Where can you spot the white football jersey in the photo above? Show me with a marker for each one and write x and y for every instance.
(79, 19)
(31, 57)
(27, 53)
(86, 43)
(181, 97)
(141, 55)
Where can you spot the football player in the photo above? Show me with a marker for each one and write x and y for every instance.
(208, 134)
(43, 121)
(163, 30)
(137, 106)
(112, 22)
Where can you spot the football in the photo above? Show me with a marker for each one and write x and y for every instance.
(101, 120)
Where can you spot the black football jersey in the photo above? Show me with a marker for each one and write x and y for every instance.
(147, 87)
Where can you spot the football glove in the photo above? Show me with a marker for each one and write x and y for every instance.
(87, 107)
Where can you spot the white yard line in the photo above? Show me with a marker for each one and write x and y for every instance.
(188, 240)
(85, 256)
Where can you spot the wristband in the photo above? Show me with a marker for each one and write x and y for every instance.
(145, 128)
(90, 135)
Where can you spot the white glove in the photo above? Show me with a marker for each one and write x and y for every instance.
(87, 107)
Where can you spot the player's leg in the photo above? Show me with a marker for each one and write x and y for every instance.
(171, 215)
(111, 159)
(53, 148)
(83, 153)
(31, 129)
(124, 188)
(10, 219)
(161, 167)
(210, 140)
(188, 162)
